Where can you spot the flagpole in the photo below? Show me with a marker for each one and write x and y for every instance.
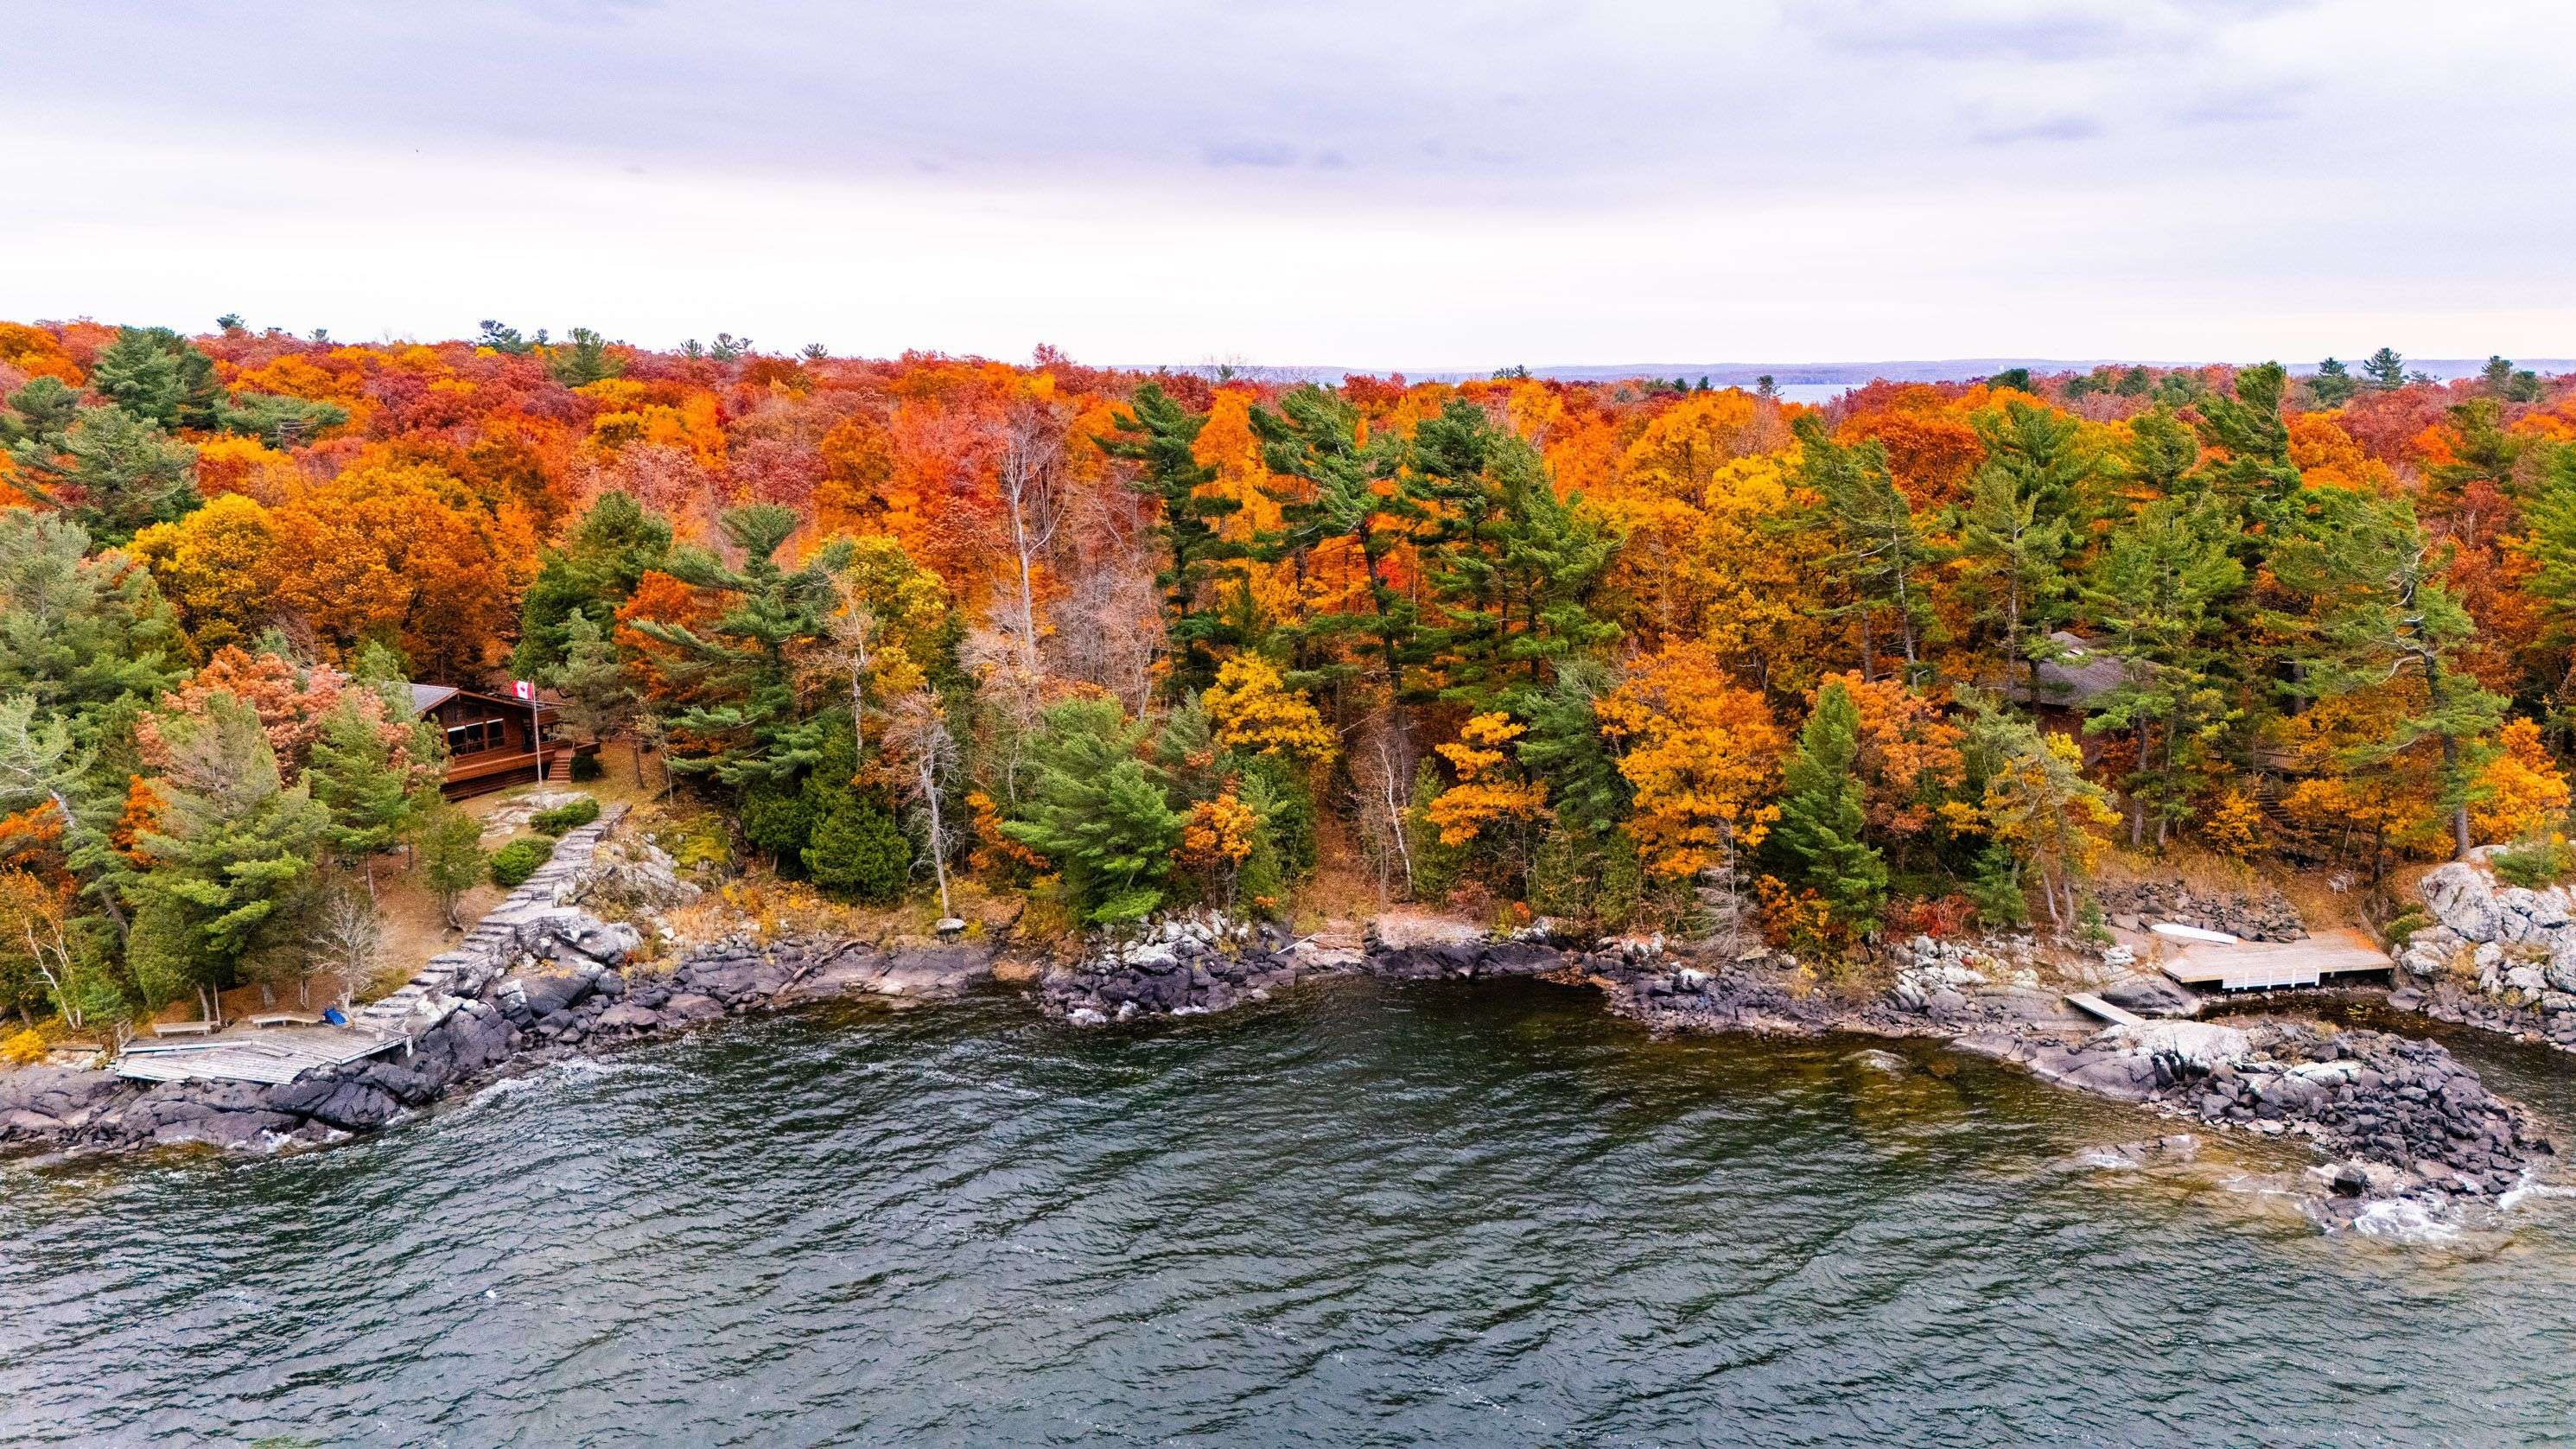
(537, 732)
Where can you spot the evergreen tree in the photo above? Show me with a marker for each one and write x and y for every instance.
(155, 374)
(2026, 508)
(1564, 749)
(856, 850)
(592, 574)
(1884, 549)
(751, 729)
(367, 793)
(2481, 450)
(2160, 455)
(1352, 491)
(2158, 594)
(114, 473)
(2334, 384)
(2385, 369)
(2377, 609)
(1099, 813)
(1512, 566)
(1822, 815)
(40, 417)
(231, 851)
(2249, 430)
(1161, 436)
(89, 640)
(598, 699)
(279, 421)
(584, 359)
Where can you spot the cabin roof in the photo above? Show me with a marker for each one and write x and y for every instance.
(2076, 678)
(426, 697)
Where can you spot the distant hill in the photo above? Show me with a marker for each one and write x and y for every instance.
(1853, 374)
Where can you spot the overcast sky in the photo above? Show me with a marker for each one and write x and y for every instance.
(1466, 183)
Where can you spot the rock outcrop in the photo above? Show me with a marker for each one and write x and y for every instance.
(2251, 914)
(2404, 1117)
(513, 1019)
(2496, 956)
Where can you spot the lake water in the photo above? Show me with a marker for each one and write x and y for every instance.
(1370, 1215)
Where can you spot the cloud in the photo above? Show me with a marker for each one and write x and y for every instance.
(1269, 154)
(2045, 128)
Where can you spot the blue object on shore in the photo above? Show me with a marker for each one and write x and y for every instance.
(332, 1015)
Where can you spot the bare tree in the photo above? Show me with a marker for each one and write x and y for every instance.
(347, 939)
(1031, 474)
(919, 730)
(1382, 777)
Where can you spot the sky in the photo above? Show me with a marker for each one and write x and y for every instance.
(1457, 185)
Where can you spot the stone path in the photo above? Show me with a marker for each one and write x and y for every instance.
(392, 1014)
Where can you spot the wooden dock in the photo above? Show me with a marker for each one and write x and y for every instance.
(2270, 965)
(273, 1057)
(2092, 1005)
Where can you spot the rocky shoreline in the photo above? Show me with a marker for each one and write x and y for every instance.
(2395, 1117)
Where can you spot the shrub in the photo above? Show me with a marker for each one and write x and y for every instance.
(2408, 922)
(776, 823)
(697, 842)
(513, 863)
(856, 851)
(2535, 865)
(24, 1048)
(586, 768)
(571, 816)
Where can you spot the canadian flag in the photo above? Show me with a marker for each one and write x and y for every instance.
(523, 689)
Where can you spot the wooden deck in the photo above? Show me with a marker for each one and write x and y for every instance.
(489, 770)
(2269, 965)
(273, 1056)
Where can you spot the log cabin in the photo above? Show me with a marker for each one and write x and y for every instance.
(491, 738)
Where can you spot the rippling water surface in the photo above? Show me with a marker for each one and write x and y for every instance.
(1372, 1215)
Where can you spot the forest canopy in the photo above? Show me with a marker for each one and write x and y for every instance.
(1614, 653)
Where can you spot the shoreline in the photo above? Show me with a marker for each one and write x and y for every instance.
(2394, 1117)
(540, 980)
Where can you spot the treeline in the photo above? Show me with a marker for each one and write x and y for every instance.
(1613, 653)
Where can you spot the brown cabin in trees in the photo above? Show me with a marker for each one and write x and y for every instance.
(491, 738)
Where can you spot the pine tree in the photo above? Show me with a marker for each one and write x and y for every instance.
(1353, 491)
(2248, 429)
(2378, 609)
(1883, 546)
(232, 850)
(2334, 384)
(1822, 815)
(2385, 369)
(1512, 566)
(1161, 435)
(598, 698)
(1098, 812)
(2158, 593)
(88, 639)
(154, 373)
(367, 793)
(113, 472)
(2025, 510)
(751, 730)
(593, 573)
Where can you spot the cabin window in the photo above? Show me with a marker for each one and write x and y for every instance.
(473, 736)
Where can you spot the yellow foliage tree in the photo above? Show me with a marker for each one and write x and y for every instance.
(2520, 792)
(1254, 710)
(213, 567)
(1703, 755)
(1489, 791)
